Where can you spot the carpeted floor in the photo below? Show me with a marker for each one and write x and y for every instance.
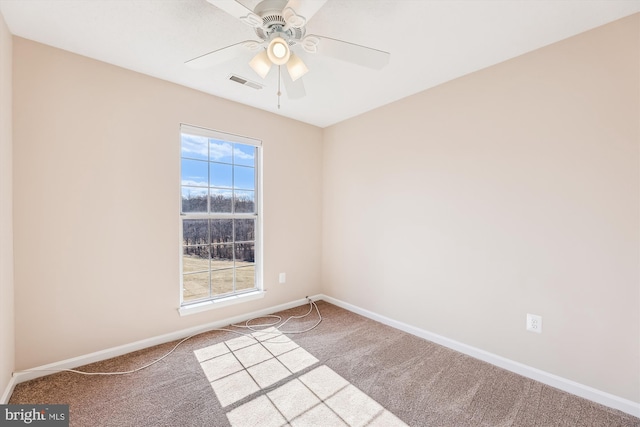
(348, 371)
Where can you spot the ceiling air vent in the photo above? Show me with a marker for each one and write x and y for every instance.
(245, 82)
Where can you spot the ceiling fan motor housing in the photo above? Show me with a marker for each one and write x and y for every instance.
(274, 24)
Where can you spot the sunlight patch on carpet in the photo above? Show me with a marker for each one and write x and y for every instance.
(318, 398)
(241, 367)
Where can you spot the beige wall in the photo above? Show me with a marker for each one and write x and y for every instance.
(96, 200)
(7, 345)
(509, 191)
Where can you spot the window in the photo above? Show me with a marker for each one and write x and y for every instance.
(220, 215)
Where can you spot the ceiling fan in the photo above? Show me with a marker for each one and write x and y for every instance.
(281, 27)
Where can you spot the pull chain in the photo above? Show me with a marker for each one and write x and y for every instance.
(279, 93)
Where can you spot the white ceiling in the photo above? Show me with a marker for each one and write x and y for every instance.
(430, 41)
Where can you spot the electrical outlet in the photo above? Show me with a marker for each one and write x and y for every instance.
(283, 277)
(534, 323)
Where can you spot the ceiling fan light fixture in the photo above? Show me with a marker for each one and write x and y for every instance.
(278, 51)
(261, 64)
(296, 67)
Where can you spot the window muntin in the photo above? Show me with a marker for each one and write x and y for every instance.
(219, 211)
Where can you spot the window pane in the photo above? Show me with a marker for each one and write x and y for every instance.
(245, 278)
(195, 286)
(220, 151)
(195, 258)
(222, 268)
(244, 155)
(244, 178)
(194, 199)
(220, 200)
(244, 254)
(194, 173)
(244, 201)
(221, 231)
(222, 281)
(194, 147)
(245, 230)
(245, 266)
(195, 232)
(221, 256)
(221, 175)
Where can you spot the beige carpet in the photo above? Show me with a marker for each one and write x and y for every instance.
(348, 371)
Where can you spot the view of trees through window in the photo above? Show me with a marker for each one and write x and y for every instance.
(219, 215)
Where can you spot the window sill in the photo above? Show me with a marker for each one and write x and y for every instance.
(199, 307)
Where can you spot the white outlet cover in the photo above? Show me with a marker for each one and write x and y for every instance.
(534, 323)
(283, 277)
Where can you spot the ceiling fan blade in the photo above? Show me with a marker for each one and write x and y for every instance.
(219, 56)
(305, 8)
(295, 90)
(354, 53)
(235, 9)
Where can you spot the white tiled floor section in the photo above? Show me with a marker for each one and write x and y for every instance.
(242, 366)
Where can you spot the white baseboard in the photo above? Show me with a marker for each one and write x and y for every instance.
(552, 380)
(8, 391)
(40, 371)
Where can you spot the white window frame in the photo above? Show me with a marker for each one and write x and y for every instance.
(191, 307)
